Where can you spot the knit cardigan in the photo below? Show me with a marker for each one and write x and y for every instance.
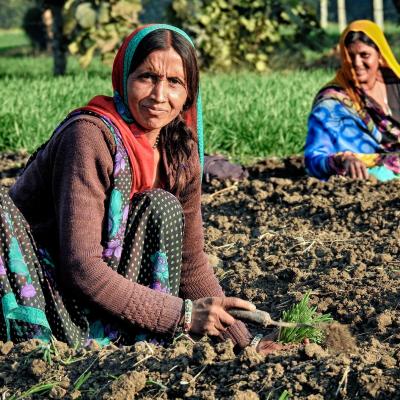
(64, 193)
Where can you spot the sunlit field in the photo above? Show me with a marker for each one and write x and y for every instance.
(246, 115)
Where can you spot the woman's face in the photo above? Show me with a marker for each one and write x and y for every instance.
(366, 62)
(157, 90)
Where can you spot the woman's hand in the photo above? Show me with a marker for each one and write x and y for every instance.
(267, 346)
(353, 167)
(210, 316)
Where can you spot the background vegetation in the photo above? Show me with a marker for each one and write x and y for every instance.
(244, 33)
(247, 114)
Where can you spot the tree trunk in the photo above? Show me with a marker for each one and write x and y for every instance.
(323, 13)
(341, 8)
(378, 12)
(47, 18)
(59, 44)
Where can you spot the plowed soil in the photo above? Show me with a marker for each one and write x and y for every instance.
(270, 238)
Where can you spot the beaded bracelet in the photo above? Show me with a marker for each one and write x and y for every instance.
(187, 316)
(256, 339)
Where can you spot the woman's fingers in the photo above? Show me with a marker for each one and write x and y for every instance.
(225, 318)
(352, 170)
(214, 332)
(214, 329)
(211, 314)
(356, 169)
(359, 172)
(365, 172)
(268, 346)
(235, 302)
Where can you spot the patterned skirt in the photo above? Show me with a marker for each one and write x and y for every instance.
(34, 306)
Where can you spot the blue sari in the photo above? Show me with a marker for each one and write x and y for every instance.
(335, 126)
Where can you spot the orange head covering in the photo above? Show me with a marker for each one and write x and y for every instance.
(345, 76)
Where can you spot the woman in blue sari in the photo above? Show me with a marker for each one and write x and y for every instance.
(354, 125)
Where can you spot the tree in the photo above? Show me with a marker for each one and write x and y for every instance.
(396, 3)
(323, 6)
(82, 27)
(341, 5)
(12, 12)
(59, 40)
(94, 25)
(378, 12)
(244, 33)
(43, 23)
(35, 29)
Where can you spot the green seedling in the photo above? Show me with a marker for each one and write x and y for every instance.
(313, 328)
(151, 382)
(71, 359)
(50, 350)
(85, 375)
(39, 388)
(82, 379)
(284, 395)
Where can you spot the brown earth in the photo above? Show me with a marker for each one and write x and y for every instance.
(270, 239)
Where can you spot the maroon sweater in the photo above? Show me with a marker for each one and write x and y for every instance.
(64, 193)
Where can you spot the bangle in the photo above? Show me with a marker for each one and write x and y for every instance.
(187, 315)
(256, 339)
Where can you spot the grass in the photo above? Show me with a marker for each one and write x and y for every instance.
(302, 312)
(13, 40)
(39, 389)
(34, 102)
(246, 115)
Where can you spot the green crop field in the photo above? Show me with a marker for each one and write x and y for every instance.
(12, 39)
(246, 115)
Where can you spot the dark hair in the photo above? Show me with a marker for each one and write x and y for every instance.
(354, 36)
(176, 137)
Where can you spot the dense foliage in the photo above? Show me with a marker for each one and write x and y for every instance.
(99, 25)
(243, 33)
(12, 12)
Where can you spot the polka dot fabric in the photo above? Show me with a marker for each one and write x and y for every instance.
(144, 244)
(32, 305)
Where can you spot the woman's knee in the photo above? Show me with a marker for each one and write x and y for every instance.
(162, 202)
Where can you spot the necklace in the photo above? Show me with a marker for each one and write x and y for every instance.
(155, 145)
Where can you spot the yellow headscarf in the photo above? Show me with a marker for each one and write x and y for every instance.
(346, 76)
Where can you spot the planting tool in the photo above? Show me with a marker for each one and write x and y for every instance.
(263, 318)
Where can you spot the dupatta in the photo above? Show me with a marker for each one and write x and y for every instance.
(116, 109)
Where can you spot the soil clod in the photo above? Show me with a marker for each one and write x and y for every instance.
(339, 339)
